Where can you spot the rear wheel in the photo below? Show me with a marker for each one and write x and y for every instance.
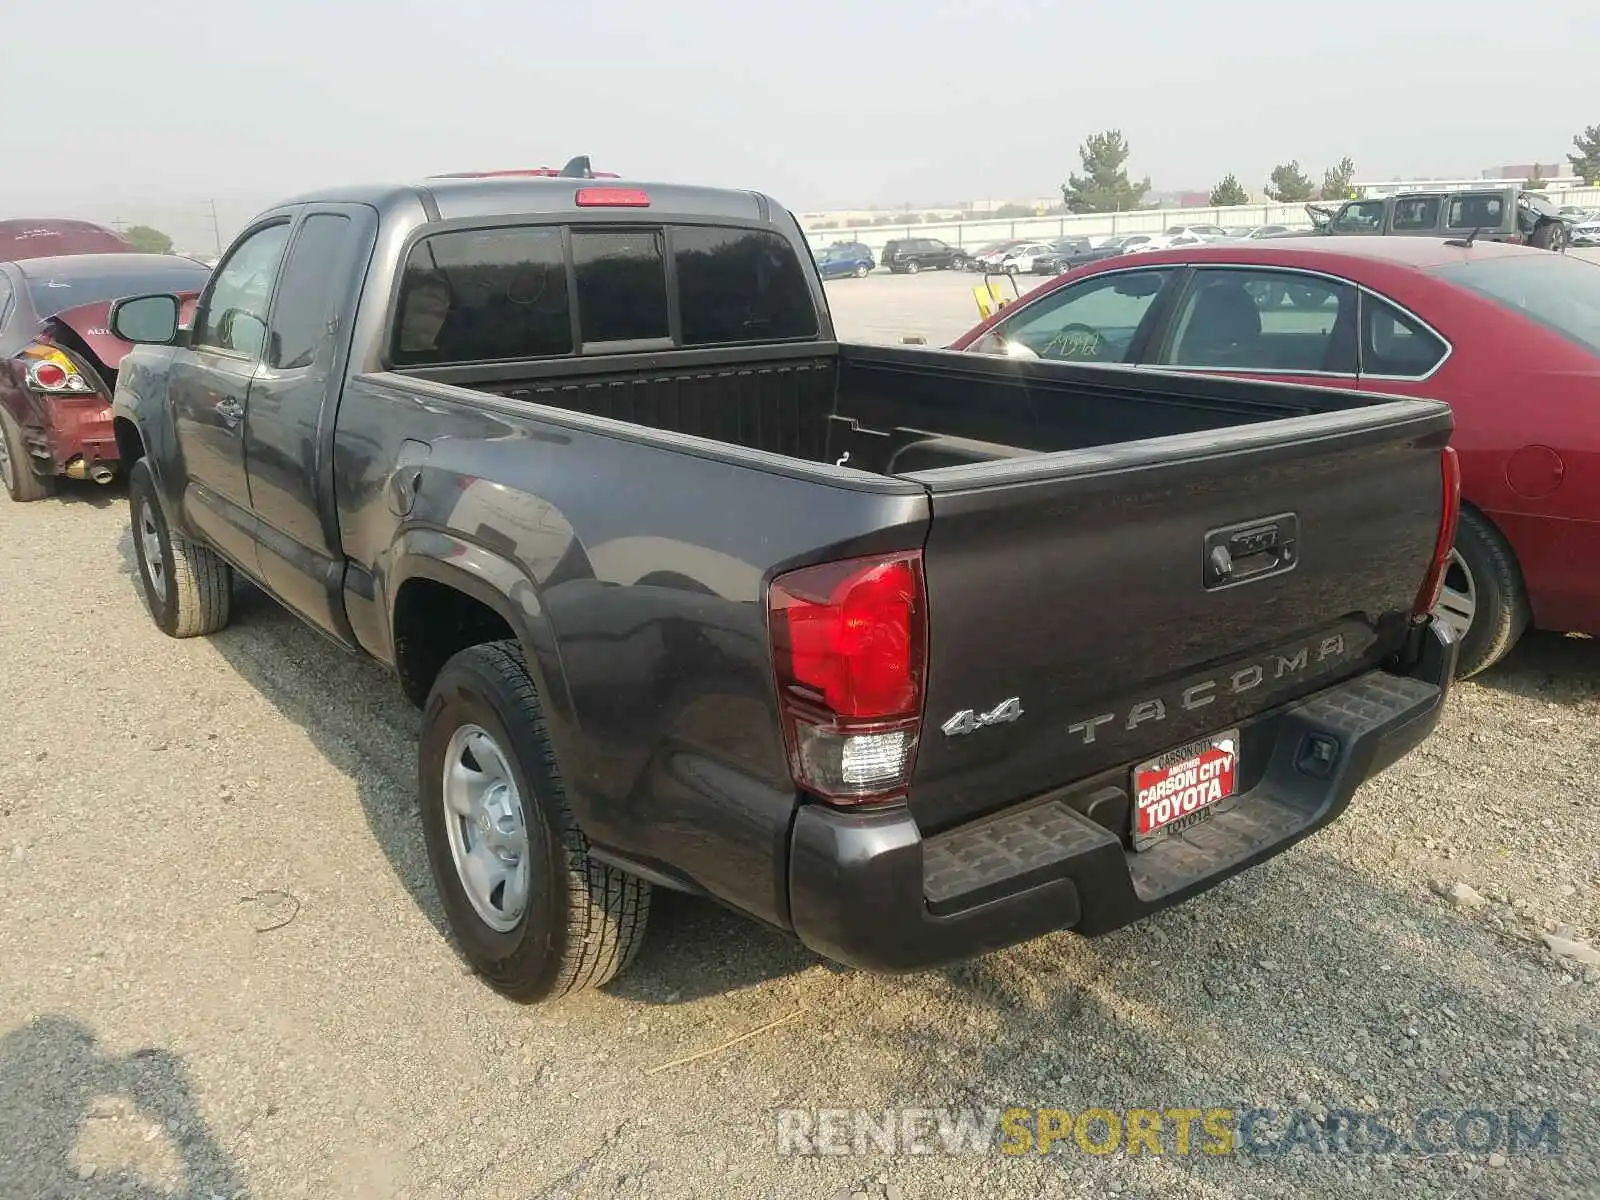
(534, 914)
(1484, 601)
(861, 271)
(1551, 235)
(23, 484)
(912, 268)
(188, 588)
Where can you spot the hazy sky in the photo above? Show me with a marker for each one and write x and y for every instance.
(140, 108)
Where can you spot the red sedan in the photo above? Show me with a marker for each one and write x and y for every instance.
(58, 361)
(1508, 336)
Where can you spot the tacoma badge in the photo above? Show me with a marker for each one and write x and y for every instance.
(967, 721)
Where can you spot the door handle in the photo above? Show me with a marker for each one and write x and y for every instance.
(230, 410)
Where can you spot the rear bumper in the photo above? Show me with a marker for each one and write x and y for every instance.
(80, 431)
(868, 890)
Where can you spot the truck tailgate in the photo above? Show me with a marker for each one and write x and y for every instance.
(1080, 618)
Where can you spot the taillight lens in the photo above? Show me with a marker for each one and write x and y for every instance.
(1433, 582)
(49, 369)
(849, 643)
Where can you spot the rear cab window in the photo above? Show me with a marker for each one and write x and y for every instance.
(547, 291)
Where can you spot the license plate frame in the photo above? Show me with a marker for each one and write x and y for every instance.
(1204, 791)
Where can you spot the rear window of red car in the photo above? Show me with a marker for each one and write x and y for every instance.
(1560, 293)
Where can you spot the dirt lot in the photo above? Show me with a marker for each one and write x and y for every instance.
(222, 969)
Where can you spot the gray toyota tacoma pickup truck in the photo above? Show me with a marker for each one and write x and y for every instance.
(908, 653)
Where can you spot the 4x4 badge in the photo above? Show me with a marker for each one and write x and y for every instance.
(968, 721)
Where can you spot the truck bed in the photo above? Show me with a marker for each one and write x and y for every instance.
(892, 411)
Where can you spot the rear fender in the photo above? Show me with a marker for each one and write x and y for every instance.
(498, 583)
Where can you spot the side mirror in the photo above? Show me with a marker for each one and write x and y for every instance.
(146, 320)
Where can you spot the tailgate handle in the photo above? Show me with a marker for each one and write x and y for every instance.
(1251, 550)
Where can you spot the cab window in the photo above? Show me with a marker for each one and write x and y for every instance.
(1365, 216)
(235, 317)
(1419, 213)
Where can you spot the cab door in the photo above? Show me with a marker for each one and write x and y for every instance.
(288, 429)
(209, 386)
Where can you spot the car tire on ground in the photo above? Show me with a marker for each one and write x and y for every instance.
(23, 483)
(188, 588)
(1549, 235)
(912, 268)
(533, 913)
(861, 271)
(1484, 599)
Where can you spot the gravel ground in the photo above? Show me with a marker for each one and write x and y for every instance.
(222, 968)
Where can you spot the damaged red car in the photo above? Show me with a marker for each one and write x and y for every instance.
(58, 361)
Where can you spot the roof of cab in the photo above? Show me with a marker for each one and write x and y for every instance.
(457, 198)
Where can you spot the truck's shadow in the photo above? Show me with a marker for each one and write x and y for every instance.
(1549, 667)
(55, 1081)
(355, 714)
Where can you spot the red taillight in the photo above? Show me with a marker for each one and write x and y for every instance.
(49, 375)
(613, 197)
(849, 644)
(52, 369)
(1433, 582)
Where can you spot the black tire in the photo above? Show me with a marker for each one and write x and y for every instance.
(912, 268)
(1501, 613)
(584, 921)
(197, 596)
(1550, 235)
(23, 484)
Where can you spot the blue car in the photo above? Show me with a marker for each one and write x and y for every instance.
(846, 258)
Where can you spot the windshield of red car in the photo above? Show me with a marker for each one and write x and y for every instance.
(70, 284)
(1560, 293)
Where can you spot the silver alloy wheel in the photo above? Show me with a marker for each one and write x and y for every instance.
(486, 827)
(5, 459)
(155, 567)
(1458, 599)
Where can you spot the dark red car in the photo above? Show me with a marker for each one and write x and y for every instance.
(58, 361)
(1508, 336)
(51, 237)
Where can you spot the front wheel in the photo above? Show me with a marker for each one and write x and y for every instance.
(861, 271)
(1483, 601)
(912, 268)
(534, 914)
(188, 588)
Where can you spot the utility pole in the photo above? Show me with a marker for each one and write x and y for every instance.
(118, 224)
(216, 230)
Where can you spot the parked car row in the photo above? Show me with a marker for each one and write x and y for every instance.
(1507, 335)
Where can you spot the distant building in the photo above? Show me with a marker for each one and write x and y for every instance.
(1527, 171)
